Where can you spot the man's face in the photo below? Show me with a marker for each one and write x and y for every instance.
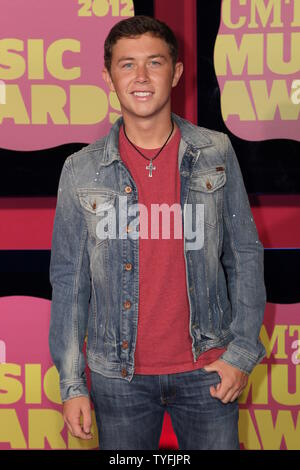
(142, 65)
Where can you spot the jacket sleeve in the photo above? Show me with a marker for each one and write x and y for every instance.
(243, 261)
(70, 280)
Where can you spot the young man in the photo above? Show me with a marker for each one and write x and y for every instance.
(172, 324)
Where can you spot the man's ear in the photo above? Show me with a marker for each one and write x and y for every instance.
(178, 70)
(107, 78)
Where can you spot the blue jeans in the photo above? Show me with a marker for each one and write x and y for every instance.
(129, 415)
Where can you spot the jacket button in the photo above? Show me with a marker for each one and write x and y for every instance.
(208, 185)
(128, 266)
(125, 344)
(124, 372)
(128, 229)
(128, 189)
(94, 205)
(127, 304)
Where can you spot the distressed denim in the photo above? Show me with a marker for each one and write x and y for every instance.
(96, 297)
(129, 416)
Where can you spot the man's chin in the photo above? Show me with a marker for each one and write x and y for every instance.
(141, 113)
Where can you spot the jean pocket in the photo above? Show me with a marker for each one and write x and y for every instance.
(99, 210)
(210, 374)
(206, 188)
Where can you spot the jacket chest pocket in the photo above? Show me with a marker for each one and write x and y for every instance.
(206, 187)
(99, 212)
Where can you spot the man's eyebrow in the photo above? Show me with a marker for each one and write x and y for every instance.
(125, 58)
(152, 56)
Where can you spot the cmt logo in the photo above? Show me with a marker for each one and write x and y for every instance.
(256, 63)
(295, 97)
(296, 354)
(2, 92)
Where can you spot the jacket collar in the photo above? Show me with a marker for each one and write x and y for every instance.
(191, 134)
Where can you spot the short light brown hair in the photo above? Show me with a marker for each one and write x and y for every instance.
(136, 26)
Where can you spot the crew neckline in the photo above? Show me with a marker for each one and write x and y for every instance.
(154, 149)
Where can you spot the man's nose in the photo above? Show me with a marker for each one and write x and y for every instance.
(141, 73)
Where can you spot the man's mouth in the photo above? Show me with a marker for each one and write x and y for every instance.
(142, 94)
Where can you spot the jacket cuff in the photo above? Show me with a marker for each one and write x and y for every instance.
(73, 389)
(241, 359)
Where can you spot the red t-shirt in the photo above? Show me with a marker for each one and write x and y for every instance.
(164, 344)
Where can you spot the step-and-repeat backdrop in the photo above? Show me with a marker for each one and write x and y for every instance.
(52, 102)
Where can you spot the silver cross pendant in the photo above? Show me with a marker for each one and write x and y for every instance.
(150, 167)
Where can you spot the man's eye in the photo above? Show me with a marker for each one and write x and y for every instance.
(126, 66)
(155, 62)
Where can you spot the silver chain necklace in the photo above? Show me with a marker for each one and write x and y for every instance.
(150, 167)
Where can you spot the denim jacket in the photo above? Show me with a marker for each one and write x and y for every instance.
(95, 280)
